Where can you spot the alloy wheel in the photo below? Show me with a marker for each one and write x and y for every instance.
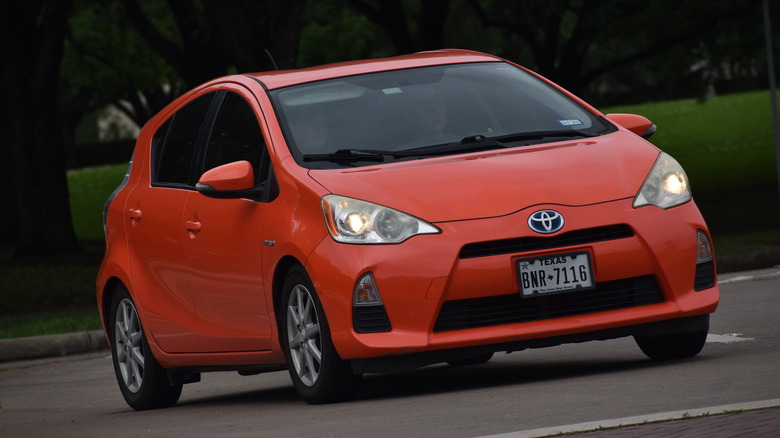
(303, 335)
(129, 345)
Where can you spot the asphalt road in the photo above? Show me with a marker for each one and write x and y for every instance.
(78, 395)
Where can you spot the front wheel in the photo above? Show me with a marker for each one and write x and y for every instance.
(143, 382)
(318, 373)
(672, 346)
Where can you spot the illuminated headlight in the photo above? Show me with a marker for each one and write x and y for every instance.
(666, 185)
(354, 221)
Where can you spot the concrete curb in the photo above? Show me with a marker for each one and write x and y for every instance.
(594, 426)
(36, 347)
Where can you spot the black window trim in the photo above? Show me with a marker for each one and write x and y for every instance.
(269, 186)
(208, 120)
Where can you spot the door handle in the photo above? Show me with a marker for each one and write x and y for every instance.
(134, 214)
(192, 225)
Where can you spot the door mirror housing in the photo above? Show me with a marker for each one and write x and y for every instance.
(637, 124)
(230, 181)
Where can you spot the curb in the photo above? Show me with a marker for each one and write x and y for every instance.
(616, 423)
(36, 347)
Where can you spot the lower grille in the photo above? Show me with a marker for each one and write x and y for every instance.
(510, 309)
(705, 276)
(370, 319)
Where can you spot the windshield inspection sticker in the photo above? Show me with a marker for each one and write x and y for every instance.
(570, 122)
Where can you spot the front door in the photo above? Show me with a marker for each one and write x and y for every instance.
(223, 240)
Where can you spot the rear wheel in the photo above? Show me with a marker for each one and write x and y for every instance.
(143, 382)
(318, 373)
(672, 346)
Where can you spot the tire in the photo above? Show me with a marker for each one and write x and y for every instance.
(672, 346)
(476, 360)
(143, 382)
(317, 372)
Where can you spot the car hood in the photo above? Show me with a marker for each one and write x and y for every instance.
(497, 183)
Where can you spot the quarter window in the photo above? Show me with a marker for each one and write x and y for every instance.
(175, 143)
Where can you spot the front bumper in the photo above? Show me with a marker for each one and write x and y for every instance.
(424, 278)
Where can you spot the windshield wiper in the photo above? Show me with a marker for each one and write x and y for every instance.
(346, 156)
(479, 142)
(472, 143)
(541, 135)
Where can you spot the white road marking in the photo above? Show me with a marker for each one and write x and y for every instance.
(728, 338)
(762, 274)
(641, 419)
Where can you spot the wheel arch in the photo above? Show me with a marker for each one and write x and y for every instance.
(109, 290)
(284, 266)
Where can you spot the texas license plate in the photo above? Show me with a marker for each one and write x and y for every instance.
(555, 273)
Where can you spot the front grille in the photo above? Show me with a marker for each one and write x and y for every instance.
(533, 243)
(705, 276)
(510, 309)
(370, 319)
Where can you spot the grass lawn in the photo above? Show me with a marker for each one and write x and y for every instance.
(725, 145)
(89, 188)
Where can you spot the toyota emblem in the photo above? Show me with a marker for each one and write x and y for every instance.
(545, 221)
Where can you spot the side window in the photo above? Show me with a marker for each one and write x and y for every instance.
(237, 136)
(175, 153)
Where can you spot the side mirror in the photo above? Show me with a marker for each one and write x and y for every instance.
(639, 125)
(229, 181)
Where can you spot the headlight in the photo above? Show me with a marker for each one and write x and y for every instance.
(666, 186)
(354, 221)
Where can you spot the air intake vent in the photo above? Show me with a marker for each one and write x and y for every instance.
(705, 275)
(370, 319)
(522, 244)
(510, 309)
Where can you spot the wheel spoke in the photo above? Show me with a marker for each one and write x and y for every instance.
(129, 345)
(313, 331)
(303, 335)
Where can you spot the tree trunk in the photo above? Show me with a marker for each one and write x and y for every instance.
(32, 41)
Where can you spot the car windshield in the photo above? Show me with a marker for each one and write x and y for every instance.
(424, 112)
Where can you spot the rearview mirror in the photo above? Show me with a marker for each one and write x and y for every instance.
(637, 124)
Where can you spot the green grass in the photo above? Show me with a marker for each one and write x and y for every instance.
(726, 147)
(49, 323)
(89, 188)
(724, 144)
(58, 295)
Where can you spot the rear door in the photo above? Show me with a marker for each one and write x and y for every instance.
(154, 212)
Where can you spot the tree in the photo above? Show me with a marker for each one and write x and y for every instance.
(31, 40)
(412, 29)
(208, 38)
(577, 42)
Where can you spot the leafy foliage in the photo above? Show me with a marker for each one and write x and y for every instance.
(139, 54)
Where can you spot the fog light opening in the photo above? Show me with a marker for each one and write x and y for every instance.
(366, 292)
(703, 247)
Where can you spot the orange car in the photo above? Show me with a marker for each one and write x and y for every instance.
(389, 214)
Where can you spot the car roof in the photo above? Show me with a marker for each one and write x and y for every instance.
(283, 78)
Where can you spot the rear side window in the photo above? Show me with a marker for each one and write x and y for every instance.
(175, 143)
(236, 136)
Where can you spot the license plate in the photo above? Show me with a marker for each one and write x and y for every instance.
(555, 273)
